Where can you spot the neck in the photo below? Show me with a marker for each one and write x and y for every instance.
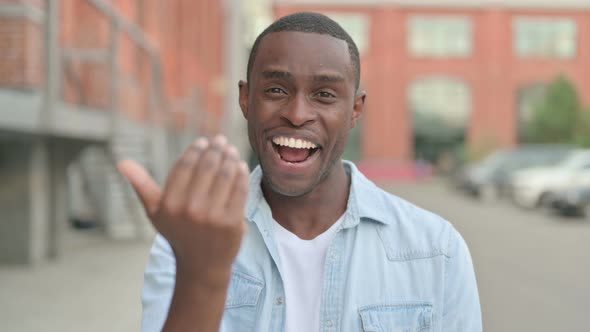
(310, 215)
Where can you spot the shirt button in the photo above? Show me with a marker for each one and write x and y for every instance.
(329, 323)
(279, 300)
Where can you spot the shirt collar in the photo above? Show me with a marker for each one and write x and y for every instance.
(365, 201)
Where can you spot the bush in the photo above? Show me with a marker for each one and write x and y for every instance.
(555, 118)
(582, 129)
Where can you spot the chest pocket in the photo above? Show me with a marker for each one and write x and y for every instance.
(413, 317)
(242, 303)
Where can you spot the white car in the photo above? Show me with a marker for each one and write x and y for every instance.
(532, 187)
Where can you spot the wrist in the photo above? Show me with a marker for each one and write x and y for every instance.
(211, 279)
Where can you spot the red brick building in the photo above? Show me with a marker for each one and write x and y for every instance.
(85, 83)
(478, 63)
(186, 36)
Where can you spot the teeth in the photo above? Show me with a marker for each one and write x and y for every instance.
(293, 143)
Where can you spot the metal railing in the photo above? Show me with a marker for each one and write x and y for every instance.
(58, 59)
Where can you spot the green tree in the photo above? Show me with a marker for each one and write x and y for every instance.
(582, 129)
(555, 118)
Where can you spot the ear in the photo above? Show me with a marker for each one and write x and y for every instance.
(358, 108)
(243, 86)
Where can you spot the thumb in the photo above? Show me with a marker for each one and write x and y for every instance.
(146, 188)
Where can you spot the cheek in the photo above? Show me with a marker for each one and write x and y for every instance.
(252, 134)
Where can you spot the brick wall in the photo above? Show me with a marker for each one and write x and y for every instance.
(20, 44)
(188, 39)
(493, 73)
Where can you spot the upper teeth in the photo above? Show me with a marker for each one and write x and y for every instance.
(293, 143)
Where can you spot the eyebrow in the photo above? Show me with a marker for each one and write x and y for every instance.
(277, 74)
(328, 78)
(284, 75)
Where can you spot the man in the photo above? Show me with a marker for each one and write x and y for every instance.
(322, 248)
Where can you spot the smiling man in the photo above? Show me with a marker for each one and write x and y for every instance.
(321, 248)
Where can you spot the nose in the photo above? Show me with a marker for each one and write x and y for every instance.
(299, 112)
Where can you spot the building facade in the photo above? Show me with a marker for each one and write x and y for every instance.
(85, 83)
(457, 69)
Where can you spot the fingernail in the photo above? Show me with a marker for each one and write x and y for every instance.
(201, 143)
(219, 140)
(244, 167)
(232, 152)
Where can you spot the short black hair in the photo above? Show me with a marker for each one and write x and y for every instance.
(311, 23)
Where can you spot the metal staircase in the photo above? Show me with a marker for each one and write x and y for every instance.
(118, 209)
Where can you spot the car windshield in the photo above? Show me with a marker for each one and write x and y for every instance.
(535, 157)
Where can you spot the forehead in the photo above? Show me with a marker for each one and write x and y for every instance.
(302, 53)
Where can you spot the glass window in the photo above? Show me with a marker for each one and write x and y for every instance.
(447, 100)
(440, 36)
(545, 37)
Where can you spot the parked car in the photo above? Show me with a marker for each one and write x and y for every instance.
(489, 179)
(535, 186)
(574, 201)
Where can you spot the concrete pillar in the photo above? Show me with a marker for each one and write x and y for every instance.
(60, 155)
(33, 197)
(236, 55)
(24, 201)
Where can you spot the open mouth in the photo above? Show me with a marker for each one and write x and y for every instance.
(294, 150)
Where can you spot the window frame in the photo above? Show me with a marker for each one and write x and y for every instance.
(527, 22)
(444, 52)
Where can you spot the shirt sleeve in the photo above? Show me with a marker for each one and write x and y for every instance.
(462, 311)
(158, 286)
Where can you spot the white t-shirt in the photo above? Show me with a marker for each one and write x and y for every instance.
(302, 265)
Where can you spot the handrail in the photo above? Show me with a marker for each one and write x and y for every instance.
(119, 24)
(134, 32)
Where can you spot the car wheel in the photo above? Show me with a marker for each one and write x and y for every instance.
(544, 200)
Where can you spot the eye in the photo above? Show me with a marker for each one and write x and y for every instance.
(325, 97)
(325, 94)
(275, 90)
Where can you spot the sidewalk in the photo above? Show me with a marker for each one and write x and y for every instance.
(95, 286)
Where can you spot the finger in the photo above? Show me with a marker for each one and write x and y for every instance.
(144, 185)
(178, 181)
(205, 172)
(236, 204)
(224, 179)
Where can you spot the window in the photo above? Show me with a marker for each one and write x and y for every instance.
(447, 100)
(440, 36)
(440, 113)
(545, 37)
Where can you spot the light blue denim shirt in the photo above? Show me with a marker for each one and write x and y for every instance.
(391, 267)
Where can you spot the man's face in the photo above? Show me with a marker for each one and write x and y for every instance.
(300, 104)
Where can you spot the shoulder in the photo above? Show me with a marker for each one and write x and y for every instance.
(407, 231)
(413, 232)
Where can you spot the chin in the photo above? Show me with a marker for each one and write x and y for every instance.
(283, 187)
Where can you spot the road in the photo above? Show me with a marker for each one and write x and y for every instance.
(94, 287)
(533, 269)
(533, 272)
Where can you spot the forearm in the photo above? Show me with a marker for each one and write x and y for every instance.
(196, 306)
